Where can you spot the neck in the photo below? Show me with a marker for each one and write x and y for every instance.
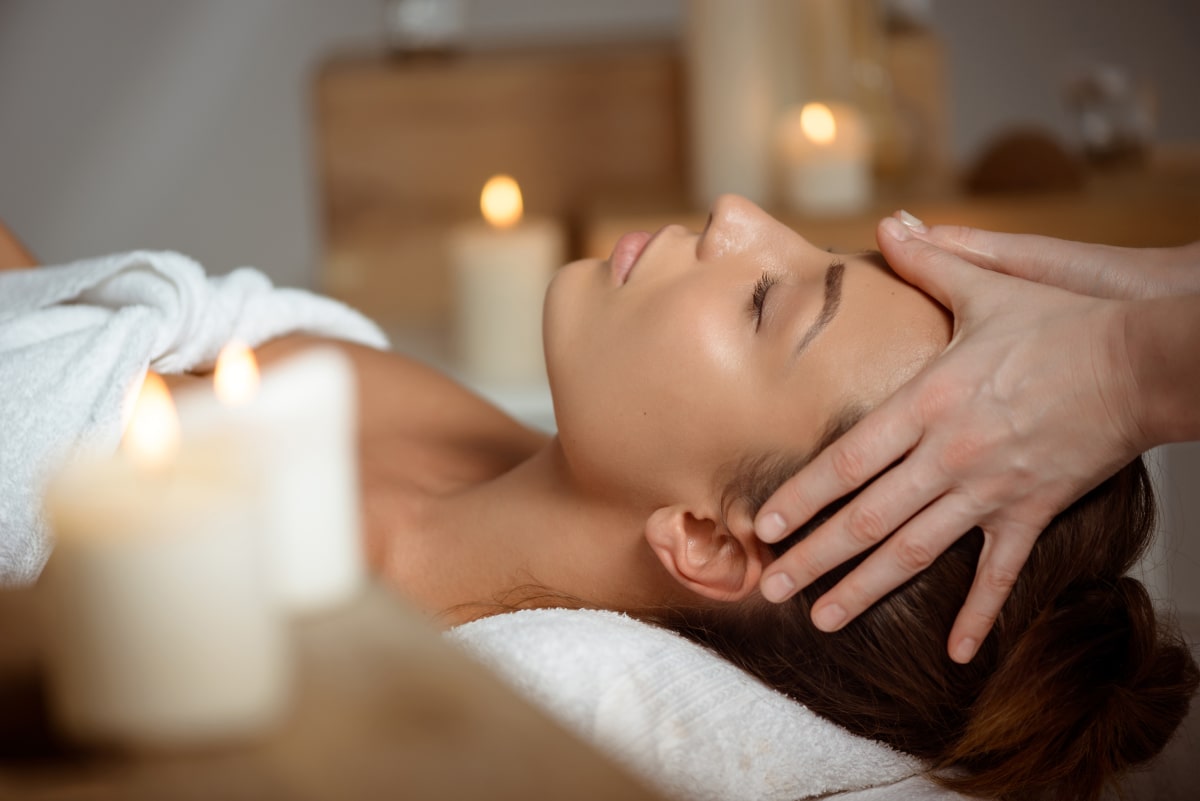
(531, 537)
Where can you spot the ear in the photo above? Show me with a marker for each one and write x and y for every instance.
(722, 560)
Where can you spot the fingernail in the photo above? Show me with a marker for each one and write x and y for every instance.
(771, 528)
(965, 650)
(895, 229)
(913, 222)
(778, 587)
(828, 618)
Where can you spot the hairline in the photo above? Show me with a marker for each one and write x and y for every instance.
(752, 478)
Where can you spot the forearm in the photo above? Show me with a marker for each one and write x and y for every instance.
(13, 254)
(1163, 345)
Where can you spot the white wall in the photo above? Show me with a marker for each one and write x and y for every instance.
(138, 123)
(185, 124)
(1180, 510)
(1010, 58)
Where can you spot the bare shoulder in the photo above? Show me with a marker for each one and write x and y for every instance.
(403, 401)
(421, 434)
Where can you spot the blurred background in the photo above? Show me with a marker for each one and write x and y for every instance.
(339, 145)
(191, 124)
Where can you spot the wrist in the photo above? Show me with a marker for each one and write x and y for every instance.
(1161, 340)
(1124, 388)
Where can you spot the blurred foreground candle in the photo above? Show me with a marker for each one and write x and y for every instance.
(295, 430)
(160, 633)
(501, 270)
(825, 159)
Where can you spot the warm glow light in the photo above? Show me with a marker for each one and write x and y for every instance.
(501, 201)
(816, 120)
(236, 378)
(153, 434)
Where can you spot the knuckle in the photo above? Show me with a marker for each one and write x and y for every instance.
(1041, 510)
(865, 526)
(998, 580)
(961, 453)
(853, 595)
(803, 566)
(797, 499)
(913, 555)
(979, 621)
(970, 239)
(939, 394)
(849, 464)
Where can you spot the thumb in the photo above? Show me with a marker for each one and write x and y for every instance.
(943, 276)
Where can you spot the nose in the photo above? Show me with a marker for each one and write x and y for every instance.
(733, 224)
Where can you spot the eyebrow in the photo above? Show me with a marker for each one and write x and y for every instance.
(833, 299)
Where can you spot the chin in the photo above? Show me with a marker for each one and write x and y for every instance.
(565, 308)
(568, 326)
(556, 307)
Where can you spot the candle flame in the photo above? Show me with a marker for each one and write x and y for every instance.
(501, 201)
(818, 124)
(235, 380)
(153, 434)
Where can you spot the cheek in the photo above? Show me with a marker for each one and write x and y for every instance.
(649, 409)
(613, 441)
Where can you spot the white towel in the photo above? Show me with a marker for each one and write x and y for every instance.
(680, 716)
(75, 340)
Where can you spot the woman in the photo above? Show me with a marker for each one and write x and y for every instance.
(692, 374)
(669, 375)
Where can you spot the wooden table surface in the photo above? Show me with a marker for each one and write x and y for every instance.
(383, 708)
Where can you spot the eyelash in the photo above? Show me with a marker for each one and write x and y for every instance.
(759, 297)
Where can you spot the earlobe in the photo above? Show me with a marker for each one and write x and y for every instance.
(711, 557)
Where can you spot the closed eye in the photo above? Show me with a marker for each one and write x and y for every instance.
(759, 297)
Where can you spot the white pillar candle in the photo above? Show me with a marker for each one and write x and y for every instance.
(825, 159)
(731, 97)
(159, 631)
(296, 431)
(501, 268)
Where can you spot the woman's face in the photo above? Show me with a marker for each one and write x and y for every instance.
(671, 360)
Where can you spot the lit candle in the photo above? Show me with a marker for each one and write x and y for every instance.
(159, 631)
(825, 159)
(296, 432)
(501, 270)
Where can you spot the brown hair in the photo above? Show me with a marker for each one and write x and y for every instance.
(1078, 680)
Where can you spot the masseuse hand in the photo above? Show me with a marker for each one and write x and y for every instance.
(1102, 271)
(1032, 404)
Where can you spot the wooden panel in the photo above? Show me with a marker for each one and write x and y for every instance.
(404, 147)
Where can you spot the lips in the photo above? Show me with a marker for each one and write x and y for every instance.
(625, 254)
